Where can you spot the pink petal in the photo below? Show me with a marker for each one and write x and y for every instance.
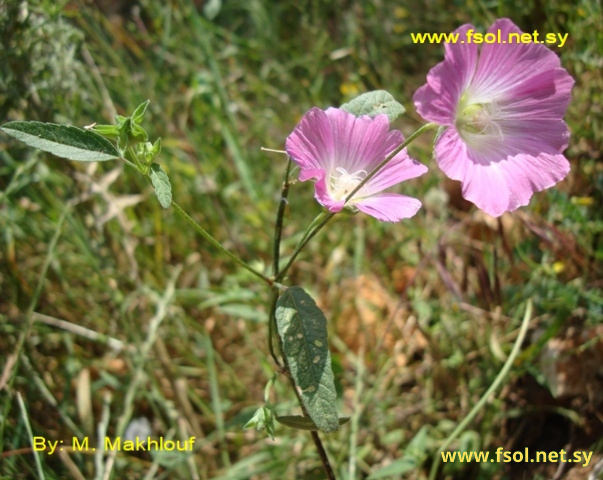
(532, 137)
(308, 173)
(359, 142)
(398, 169)
(545, 95)
(504, 67)
(389, 207)
(335, 138)
(437, 100)
(321, 193)
(498, 184)
(311, 143)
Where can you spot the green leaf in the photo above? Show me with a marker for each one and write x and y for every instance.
(63, 141)
(303, 330)
(161, 182)
(304, 423)
(374, 103)
(138, 114)
(138, 133)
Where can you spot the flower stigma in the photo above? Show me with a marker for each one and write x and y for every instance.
(478, 119)
(341, 186)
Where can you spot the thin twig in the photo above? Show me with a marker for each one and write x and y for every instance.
(272, 325)
(322, 453)
(114, 343)
(25, 419)
(278, 226)
(276, 255)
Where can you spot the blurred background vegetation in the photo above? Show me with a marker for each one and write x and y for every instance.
(422, 313)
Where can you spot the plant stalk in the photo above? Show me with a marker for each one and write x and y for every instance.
(206, 235)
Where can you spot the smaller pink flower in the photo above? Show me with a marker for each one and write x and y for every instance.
(503, 107)
(338, 150)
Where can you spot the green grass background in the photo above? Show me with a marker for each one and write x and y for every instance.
(422, 313)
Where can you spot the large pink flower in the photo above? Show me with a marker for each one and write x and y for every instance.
(339, 150)
(504, 108)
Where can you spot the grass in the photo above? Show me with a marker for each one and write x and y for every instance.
(423, 314)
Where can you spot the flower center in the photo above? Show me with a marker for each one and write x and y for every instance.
(342, 183)
(478, 119)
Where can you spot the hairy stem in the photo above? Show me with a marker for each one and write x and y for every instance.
(278, 227)
(322, 453)
(276, 256)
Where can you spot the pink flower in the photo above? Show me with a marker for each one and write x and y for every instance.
(338, 150)
(504, 108)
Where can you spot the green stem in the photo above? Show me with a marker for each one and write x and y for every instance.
(278, 227)
(276, 254)
(272, 326)
(319, 218)
(132, 159)
(322, 453)
(322, 220)
(201, 231)
(278, 230)
(485, 397)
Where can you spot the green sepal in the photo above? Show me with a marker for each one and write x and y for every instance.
(156, 148)
(262, 419)
(137, 133)
(147, 151)
(138, 114)
(124, 130)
